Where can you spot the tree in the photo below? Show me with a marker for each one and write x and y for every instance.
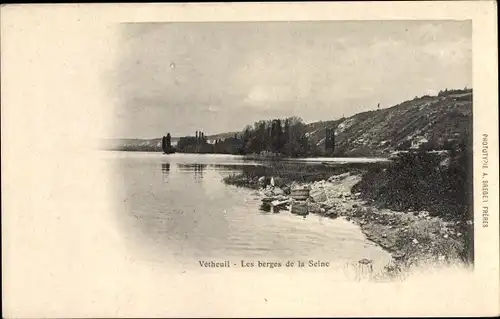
(297, 139)
(286, 142)
(278, 138)
(164, 143)
(247, 135)
(260, 137)
(275, 136)
(269, 137)
(168, 141)
(327, 139)
(332, 139)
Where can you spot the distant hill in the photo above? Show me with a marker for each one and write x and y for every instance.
(432, 120)
(222, 135)
(134, 144)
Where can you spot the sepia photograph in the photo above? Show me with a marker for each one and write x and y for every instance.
(342, 143)
(250, 160)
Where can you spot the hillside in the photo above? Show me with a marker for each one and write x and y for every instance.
(431, 121)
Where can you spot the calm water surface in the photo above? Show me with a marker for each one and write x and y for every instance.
(176, 207)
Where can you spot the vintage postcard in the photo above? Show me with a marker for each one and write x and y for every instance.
(250, 160)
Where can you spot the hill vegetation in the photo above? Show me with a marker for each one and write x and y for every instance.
(432, 122)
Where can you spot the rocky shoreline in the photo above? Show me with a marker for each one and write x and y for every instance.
(412, 238)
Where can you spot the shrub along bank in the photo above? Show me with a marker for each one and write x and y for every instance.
(423, 181)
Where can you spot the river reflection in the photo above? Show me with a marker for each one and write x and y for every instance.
(196, 169)
(176, 207)
(165, 168)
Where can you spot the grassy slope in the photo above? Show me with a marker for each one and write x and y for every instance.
(383, 131)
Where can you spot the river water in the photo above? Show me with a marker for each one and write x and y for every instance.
(176, 208)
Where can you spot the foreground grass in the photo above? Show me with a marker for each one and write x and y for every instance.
(285, 173)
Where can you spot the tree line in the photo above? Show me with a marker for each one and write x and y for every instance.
(278, 137)
(281, 137)
(452, 91)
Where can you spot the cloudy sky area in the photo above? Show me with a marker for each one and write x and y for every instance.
(218, 77)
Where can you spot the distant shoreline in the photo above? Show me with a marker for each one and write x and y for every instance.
(307, 160)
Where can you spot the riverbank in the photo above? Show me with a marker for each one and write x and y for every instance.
(414, 238)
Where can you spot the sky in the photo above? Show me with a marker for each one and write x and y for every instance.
(220, 76)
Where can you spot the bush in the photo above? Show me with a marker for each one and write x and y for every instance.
(416, 181)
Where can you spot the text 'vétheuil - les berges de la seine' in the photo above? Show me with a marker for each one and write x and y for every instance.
(264, 264)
